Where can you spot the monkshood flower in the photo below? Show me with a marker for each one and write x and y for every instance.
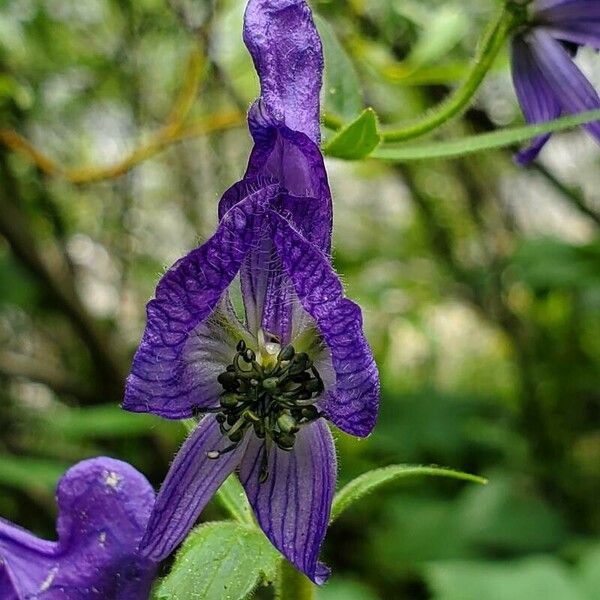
(104, 506)
(547, 81)
(268, 381)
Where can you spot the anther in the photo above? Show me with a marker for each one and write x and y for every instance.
(270, 383)
(229, 400)
(286, 353)
(287, 423)
(273, 398)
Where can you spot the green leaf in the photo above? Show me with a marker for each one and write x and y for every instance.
(341, 87)
(106, 421)
(356, 140)
(34, 474)
(232, 497)
(484, 141)
(369, 482)
(535, 577)
(220, 561)
(588, 571)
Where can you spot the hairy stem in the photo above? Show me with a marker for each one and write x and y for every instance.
(492, 42)
(293, 585)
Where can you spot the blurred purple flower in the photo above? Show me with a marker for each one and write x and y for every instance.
(297, 357)
(104, 506)
(547, 81)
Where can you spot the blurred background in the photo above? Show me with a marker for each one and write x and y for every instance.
(122, 122)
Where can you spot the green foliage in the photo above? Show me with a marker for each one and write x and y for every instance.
(341, 87)
(356, 140)
(535, 577)
(371, 481)
(32, 474)
(442, 31)
(99, 422)
(545, 264)
(479, 285)
(233, 499)
(218, 561)
(481, 142)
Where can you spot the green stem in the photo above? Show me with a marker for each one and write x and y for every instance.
(489, 47)
(293, 585)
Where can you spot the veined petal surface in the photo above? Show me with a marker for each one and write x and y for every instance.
(353, 403)
(536, 97)
(191, 482)
(571, 88)
(293, 505)
(166, 377)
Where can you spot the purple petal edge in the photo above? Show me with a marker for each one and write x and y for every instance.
(293, 505)
(161, 380)
(353, 403)
(287, 54)
(190, 483)
(535, 95)
(104, 505)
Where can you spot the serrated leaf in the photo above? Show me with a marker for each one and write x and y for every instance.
(369, 482)
(341, 87)
(220, 561)
(480, 142)
(356, 140)
(232, 498)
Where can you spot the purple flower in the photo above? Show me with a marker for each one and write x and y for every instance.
(547, 81)
(104, 506)
(267, 380)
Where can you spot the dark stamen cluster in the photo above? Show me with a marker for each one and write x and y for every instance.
(275, 398)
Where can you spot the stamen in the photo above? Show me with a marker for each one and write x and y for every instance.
(272, 391)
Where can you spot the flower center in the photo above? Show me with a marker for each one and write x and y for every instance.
(273, 393)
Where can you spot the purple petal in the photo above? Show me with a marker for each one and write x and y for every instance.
(571, 88)
(580, 32)
(353, 404)
(561, 11)
(104, 505)
(166, 378)
(292, 160)
(8, 588)
(287, 54)
(536, 97)
(297, 164)
(191, 482)
(293, 505)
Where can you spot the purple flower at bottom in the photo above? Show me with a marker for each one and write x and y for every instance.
(104, 506)
(268, 376)
(547, 81)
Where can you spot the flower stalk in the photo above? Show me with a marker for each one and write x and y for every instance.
(491, 43)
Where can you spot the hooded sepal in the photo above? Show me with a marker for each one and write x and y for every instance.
(104, 506)
(286, 49)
